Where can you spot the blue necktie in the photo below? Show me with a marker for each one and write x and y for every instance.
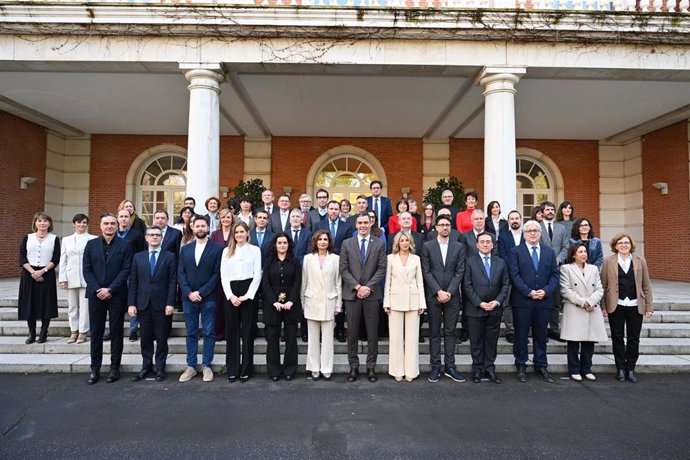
(333, 229)
(535, 258)
(260, 238)
(152, 261)
(376, 210)
(363, 251)
(487, 266)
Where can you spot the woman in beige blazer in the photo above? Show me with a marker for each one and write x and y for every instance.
(72, 278)
(582, 323)
(403, 301)
(627, 300)
(321, 300)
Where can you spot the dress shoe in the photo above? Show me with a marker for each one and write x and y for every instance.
(464, 336)
(543, 374)
(327, 377)
(521, 374)
(73, 337)
(352, 376)
(371, 375)
(315, 375)
(409, 379)
(421, 338)
(398, 379)
(160, 376)
(232, 378)
(244, 378)
(275, 378)
(106, 337)
(93, 377)
(454, 375)
(282, 338)
(591, 377)
(576, 377)
(632, 378)
(113, 375)
(620, 375)
(476, 376)
(510, 337)
(133, 336)
(493, 377)
(340, 336)
(434, 375)
(305, 339)
(30, 339)
(43, 336)
(81, 338)
(141, 375)
(289, 377)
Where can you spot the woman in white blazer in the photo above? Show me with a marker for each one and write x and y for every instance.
(72, 278)
(403, 301)
(321, 300)
(582, 323)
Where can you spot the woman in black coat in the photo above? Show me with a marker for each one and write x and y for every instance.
(281, 283)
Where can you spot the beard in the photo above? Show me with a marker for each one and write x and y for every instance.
(515, 225)
(201, 234)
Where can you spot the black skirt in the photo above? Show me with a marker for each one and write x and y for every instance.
(37, 300)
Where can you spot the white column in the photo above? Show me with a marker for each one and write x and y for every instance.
(499, 134)
(203, 142)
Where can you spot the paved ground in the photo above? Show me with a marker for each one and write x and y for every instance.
(59, 416)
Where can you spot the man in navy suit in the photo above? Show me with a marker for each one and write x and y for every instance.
(319, 213)
(171, 236)
(135, 237)
(107, 262)
(405, 220)
(279, 221)
(267, 201)
(380, 204)
(198, 274)
(301, 237)
(535, 277)
(339, 230)
(507, 241)
(152, 291)
(260, 235)
(485, 290)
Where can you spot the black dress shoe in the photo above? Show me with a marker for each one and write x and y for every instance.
(464, 336)
(421, 338)
(493, 377)
(244, 378)
(30, 339)
(632, 378)
(93, 377)
(42, 337)
(106, 337)
(352, 376)
(113, 375)
(510, 337)
(543, 374)
(141, 375)
(476, 376)
(275, 378)
(340, 336)
(305, 339)
(133, 336)
(289, 378)
(620, 375)
(282, 338)
(521, 374)
(371, 375)
(160, 376)
(232, 378)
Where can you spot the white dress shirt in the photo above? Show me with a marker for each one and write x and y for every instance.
(244, 264)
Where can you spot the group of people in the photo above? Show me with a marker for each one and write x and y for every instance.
(322, 267)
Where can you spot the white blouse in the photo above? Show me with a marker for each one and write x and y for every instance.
(40, 253)
(244, 264)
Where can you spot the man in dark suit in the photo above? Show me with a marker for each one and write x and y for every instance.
(198, 274)
(535, 277)
(301, 237)
(279, 221)
(447, 198)
(319, 213)
(507, 241)
(380, 204)
(171, 236)
(261, 235)
(453, 235)
(267, 203)
(361, 205)
(134, 236)
(485, 289)
(555, 237)
(107, 262)
(443, 265)
(338, 229)
(362, 268)
(152, 292)
(405, 220)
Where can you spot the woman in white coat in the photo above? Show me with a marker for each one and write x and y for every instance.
(582, 323)
(321, 300)
(71, 278)
(403, 301)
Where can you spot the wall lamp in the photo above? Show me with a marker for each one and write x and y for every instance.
(25, 181)
(663, 186)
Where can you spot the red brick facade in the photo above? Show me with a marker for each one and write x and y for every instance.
(22, 153)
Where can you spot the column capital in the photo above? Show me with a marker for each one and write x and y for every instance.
(509, 76)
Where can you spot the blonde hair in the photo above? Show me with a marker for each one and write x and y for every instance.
(396, 241)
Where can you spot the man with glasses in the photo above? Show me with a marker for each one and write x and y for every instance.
(305, 206)
(506, 242)
(380, 204)
(152, 292)
(319, 213)
(534, 274)
(447, 198)
(107, 262)
(555, 237)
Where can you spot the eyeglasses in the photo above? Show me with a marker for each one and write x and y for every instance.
(443, 225)
(623, 243)
(322, 197)
(532, 231)
(584, 225)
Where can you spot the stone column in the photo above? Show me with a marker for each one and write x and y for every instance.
(203, 157)
(499, 134)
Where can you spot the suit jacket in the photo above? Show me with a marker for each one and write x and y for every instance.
(418, 239)
(157, 290)
(314, 218)
(526, 279)
(268, 234)
(271, 289)
(303, 245)
(502, 226)
(478, 287)
(171, 241)
(218, 237)
(470, 242)
(343, 232)
(643, 285)
(559, 244)
(276, 225)
(577, 324)
(111, 273)
(204, 277)
(439, 276)
(72, 259)
(595, 253)
(506, 242)
(370, 274)
(404, 287)
(385, 212)
(135, 237)
(321, 287)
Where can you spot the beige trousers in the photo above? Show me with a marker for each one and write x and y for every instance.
(403, 353)
(320, 346)
(78, 310)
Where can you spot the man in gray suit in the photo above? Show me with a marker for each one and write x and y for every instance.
(555, 237)
(485, 291)
(362, 267)
(443, 265)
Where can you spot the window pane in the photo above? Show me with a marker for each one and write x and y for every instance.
(154, 168)
(524, 183)
(341, 164)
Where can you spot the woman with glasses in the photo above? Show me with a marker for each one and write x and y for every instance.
(427, 220)
(583, 232)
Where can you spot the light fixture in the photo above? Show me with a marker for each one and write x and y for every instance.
(663, 186)
(25, 181)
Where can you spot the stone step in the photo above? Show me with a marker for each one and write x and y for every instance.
(79, 363)
(176, 345)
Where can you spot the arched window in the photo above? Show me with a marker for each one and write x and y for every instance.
(534, 185)
(162, 186)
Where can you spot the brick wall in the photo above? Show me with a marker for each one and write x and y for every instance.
(667, 217)
(22, 153)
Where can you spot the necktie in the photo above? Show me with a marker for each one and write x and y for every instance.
(296, 237)
(535, 258)
(152, 261)
(260, 238)
(487, 266)
(363, 251)
(333, 229)
(304, 217)
(376, 210)
(550, 232)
